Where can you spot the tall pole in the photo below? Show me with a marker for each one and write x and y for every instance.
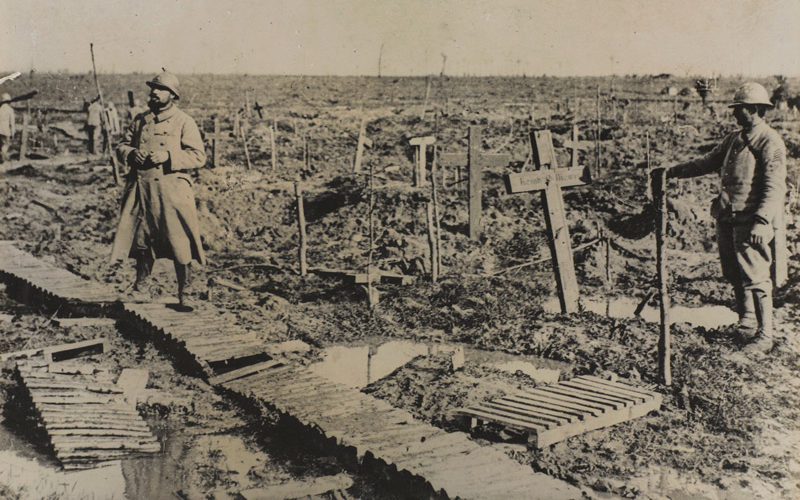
(103, 121)
(664, 349)
(597, 137)
(301, 229)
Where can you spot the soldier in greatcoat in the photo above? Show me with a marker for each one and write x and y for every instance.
(751, 163)
(7, 126)
(159, 217)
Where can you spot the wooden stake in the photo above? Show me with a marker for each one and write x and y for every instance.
(23, 142)
(246, 151)
(664, 350)
(272, 132)
(307, 153)
(371, 295)
(435, 200)
(236, 124)
(573, 154)
(301, 228)
(647, 157)
(362, 134)
(432, 242)
(427, 94)
(597, 138)
(103, 121)
(215, 143)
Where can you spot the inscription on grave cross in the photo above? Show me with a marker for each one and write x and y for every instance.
(476, 161)
(549, 179)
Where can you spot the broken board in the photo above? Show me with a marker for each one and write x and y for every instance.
(553, 413)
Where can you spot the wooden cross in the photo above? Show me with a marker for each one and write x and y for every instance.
(476, 161)
(549, 179)
(420, 155)
(363, 141)
(258, 109)
(215, 141)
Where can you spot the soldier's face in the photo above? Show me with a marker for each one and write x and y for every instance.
(745, 116)
(159, 97)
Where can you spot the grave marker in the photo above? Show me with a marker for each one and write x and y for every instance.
(420, 156)
(476, 161)
(363, 141)
(215, 139)
(549, 179)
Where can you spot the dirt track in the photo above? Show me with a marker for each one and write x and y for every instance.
(729, 420)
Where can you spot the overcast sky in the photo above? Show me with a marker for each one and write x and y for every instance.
(484, 37)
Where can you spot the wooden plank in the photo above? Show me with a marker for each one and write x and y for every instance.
(75, 349)
(592, 407)
(635, 396)
(527, 409)
(244, 372)
(584, 396)
(551, 404)
(103, 432)
(618, 384)
(512, 420)
(579, 386)
(538, 180)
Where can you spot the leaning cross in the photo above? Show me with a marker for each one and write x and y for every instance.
(476, 161)
(549, 179)
(258, 109)
(363, 142)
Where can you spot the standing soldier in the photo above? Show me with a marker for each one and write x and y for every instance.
(752, 167)
(6, 126)
(159, 217)
(94, 124)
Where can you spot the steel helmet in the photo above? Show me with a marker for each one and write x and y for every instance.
(751, 93)
(5, 97)
(166, 80)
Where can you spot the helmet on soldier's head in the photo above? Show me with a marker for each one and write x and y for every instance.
(751, 93)
(168, 81)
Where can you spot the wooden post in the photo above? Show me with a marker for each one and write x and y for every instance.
(647, 158)
(236, 124)
(272, 133)
(362, 134)
(372, 296)
(432, 242)
(420, 157)
(23, 141)
(573, 154)
(301, 228)
(475, 182)
(104, 121)
(307, 153)
(664, 349)
(435, 200)
(215, 143)
(246, 103)
(246, 151)
(597, 138)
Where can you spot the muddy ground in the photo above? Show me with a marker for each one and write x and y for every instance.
(728, 425)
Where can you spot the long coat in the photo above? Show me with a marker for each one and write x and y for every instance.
(158, 199)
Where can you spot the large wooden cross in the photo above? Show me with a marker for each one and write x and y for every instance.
(476, 160)
(549, 179)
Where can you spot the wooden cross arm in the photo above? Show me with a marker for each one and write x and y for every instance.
(538, 180)
(484, 160)
(422, 141)
(570, 144)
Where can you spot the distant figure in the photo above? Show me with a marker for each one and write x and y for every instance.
(7, 127)
(94, 125)
(112, 119)
(751, 164)
(158, 217)
(134, 110)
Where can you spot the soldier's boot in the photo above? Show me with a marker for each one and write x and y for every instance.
(182, 273)
(745, 306)
(144, 266)
(763, 339)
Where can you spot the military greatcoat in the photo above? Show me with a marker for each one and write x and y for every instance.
(158, 206)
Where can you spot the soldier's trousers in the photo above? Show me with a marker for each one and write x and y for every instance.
(743, 264)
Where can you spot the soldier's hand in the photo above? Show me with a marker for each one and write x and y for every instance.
(159, 157)
(138, 157)
(760, 234)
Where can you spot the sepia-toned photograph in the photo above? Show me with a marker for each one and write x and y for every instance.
(399, 249)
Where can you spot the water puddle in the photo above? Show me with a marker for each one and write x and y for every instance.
(624, 307)
(358, 366)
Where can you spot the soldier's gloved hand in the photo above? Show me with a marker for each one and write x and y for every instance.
(137, 157)
(760, 234)
(159, 157)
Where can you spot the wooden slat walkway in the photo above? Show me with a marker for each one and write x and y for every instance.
(84, 417)
(552, 413)
(448, 464)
